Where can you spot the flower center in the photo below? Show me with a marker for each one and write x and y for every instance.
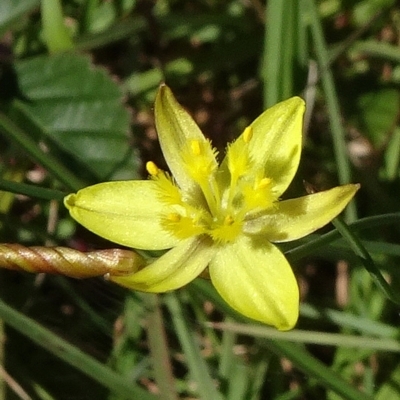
(228, 195)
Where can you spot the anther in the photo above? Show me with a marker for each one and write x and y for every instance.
(228, 220)
(173, 217)
(247, 134)
(152, 168)
(195, 147)
(263, 183)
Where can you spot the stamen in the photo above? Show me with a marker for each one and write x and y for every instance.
(247, 134)
(228, 220)
(152, 168)
(239, 163)
(238, 160)
(174, 217)
(263, 183)
(195, 147)
(183, 226)
(228, 230)
(258, 195)
(168, 191)
(210, 190)
(199, 158)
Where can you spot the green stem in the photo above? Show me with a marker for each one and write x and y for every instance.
(273, 52)
(338, 134)
(366, 259)
(72, 355)
(227, 356)
(159, 348)
(197, 366)
(301, 358)
(31, 190)
(294, 352)
(366, 223)
(127, 28)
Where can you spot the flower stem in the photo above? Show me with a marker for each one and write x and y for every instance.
(366, 259)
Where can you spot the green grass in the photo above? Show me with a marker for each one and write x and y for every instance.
(72, 119)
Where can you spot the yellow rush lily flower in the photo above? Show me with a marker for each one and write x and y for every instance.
(224, 217)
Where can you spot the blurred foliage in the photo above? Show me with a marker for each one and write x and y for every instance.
(78, 80)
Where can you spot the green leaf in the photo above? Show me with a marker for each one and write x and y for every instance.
(122, 386)
(312, 337)
(378, 112)
(198, 369)
(101, 15)
(376, 49)
(366, 9)
(79, 108)
(296, 353)
(390, 388)
(12, 10)
(392, 155)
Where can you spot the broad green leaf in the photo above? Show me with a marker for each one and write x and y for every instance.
(101, 15)
(79, 108)
(12, 10)
(378, 111)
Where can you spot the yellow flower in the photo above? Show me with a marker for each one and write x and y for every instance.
(221, 216)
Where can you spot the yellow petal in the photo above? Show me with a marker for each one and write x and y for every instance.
(275, 143)
(296, 218)
(174, 269)
(179, 137)
(256, 280)
(125, 212)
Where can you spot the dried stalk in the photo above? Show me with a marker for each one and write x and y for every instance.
(69, 262)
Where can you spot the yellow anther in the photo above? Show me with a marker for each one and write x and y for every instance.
(173, 217)
(227, 231)
(258, 195)
(182, 226)
(247, 134)
(195, 147)
(229, 220)
(152, 168)
(263, 183)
